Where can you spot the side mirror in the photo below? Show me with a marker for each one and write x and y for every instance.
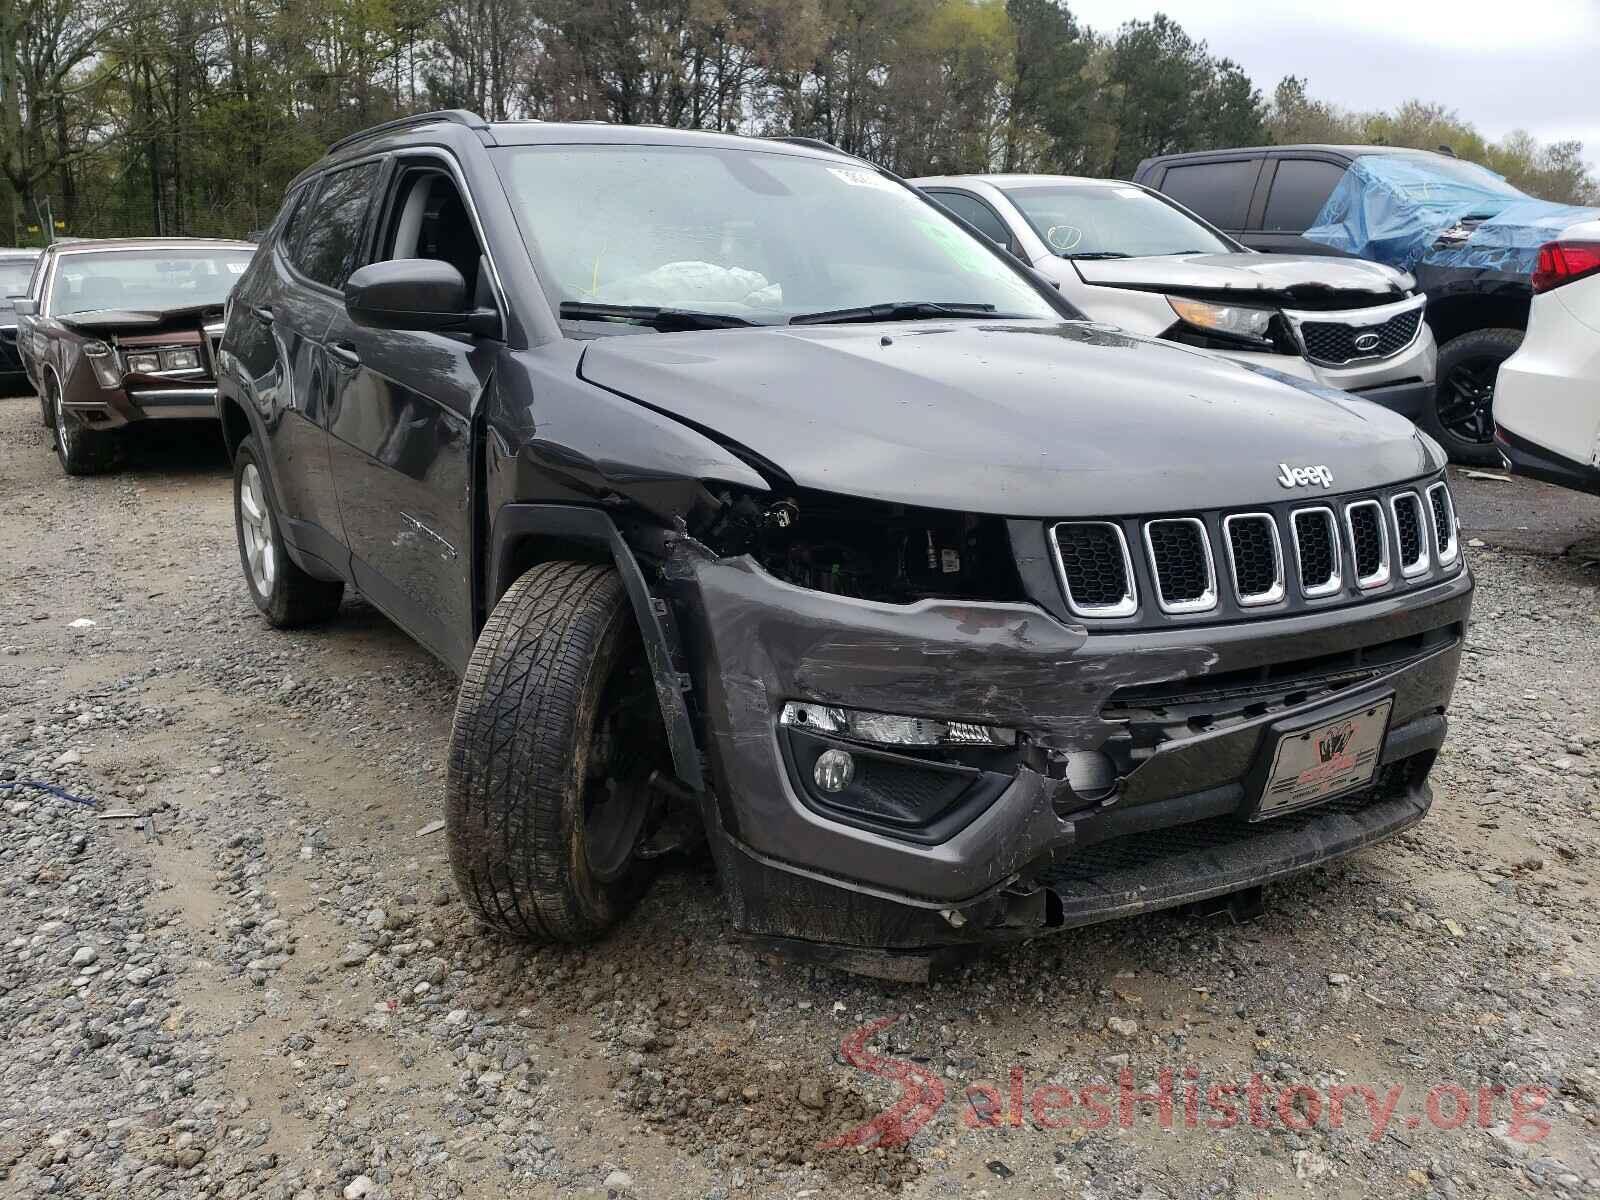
(417, 294)
(23, 306)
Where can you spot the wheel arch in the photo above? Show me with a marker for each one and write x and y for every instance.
(1451, 316)
(523, 535)
(235, 423)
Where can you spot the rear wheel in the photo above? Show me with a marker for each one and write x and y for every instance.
(285, 594)
(557, 734)
(1461, 417)
(81, 451)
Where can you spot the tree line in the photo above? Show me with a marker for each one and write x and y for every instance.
(190, 116)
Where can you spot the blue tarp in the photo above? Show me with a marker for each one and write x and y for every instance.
(1392, 208)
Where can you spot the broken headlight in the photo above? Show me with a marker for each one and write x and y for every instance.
(104, 362)
(886, 729)
(866, 549)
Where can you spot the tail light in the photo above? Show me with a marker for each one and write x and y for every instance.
(1562, 262)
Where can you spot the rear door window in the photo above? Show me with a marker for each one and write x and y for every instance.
(1299, 190)
(977, 214)
(325, 250)
(1217, 191)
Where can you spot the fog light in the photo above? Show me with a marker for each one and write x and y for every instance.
(834, 770)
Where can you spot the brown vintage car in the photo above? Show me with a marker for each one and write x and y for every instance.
(118, 331)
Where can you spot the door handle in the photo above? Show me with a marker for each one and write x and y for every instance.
(263, 313)
(344, 354)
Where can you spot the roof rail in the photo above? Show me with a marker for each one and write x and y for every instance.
(813, 143)
(458, 116)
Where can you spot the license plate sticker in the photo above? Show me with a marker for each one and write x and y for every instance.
(1324, 761)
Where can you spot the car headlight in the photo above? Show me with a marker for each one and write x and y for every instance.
(1233, 320)
(104, 361)
(144, 364)
(888, 729)
(180, 360)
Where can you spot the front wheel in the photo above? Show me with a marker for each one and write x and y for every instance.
(285, 594)
(557, 734)
(1461, 417)
(79, 450)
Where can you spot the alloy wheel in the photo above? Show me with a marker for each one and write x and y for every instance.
(1466, 401)
(255, 527)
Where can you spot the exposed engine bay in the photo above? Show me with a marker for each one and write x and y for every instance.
(866, 549)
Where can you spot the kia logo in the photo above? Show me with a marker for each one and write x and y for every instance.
(1367, 342)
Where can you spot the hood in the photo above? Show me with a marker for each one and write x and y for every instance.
(1011, 418)
(138, 320)
(1292, 277)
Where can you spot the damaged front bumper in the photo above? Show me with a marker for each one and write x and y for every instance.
(1036, 853)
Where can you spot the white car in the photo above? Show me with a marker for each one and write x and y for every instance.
(1547, 399)
(1131, 257)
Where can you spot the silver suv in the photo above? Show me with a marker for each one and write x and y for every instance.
(1133, 258)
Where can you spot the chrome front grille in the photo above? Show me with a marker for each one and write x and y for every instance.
(1443, 508)
(1316, 552)
(1255, 557)
(1180, 558)
(1337, 339)
(1095, 570)
(1369, 542)
(1274, 559)
(1411, 548)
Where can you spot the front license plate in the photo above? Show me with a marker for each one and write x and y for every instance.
(1316, 764)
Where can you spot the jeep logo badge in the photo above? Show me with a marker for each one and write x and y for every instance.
(1293, 477)
(1367, 342)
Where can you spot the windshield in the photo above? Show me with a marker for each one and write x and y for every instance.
(14, 276)
(762, 236)
(1093, 219)
(145, 280)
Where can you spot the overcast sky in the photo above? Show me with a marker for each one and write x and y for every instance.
(1528, 64)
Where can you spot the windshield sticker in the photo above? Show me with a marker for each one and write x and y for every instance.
(856, 177)
(237, 268)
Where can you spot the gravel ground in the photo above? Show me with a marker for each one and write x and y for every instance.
(260, 983)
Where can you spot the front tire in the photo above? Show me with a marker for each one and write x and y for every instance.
(1461, 417)
(557, 733)
(286, 595)
(80, 451)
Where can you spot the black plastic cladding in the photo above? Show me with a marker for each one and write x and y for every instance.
(1228, 608)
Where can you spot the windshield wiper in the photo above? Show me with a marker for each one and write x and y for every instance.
(1098, 254)
(664, 320)
(896, 310)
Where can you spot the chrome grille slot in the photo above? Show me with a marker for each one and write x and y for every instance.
(1444, 524)
(1316, 552)
(1412, 541)
(1180, 560)
(1096, 572)
(1255, 556)
(1369, 542)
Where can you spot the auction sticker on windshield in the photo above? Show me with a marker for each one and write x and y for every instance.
(1316, 764)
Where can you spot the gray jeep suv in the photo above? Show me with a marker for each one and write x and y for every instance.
(758, 502)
